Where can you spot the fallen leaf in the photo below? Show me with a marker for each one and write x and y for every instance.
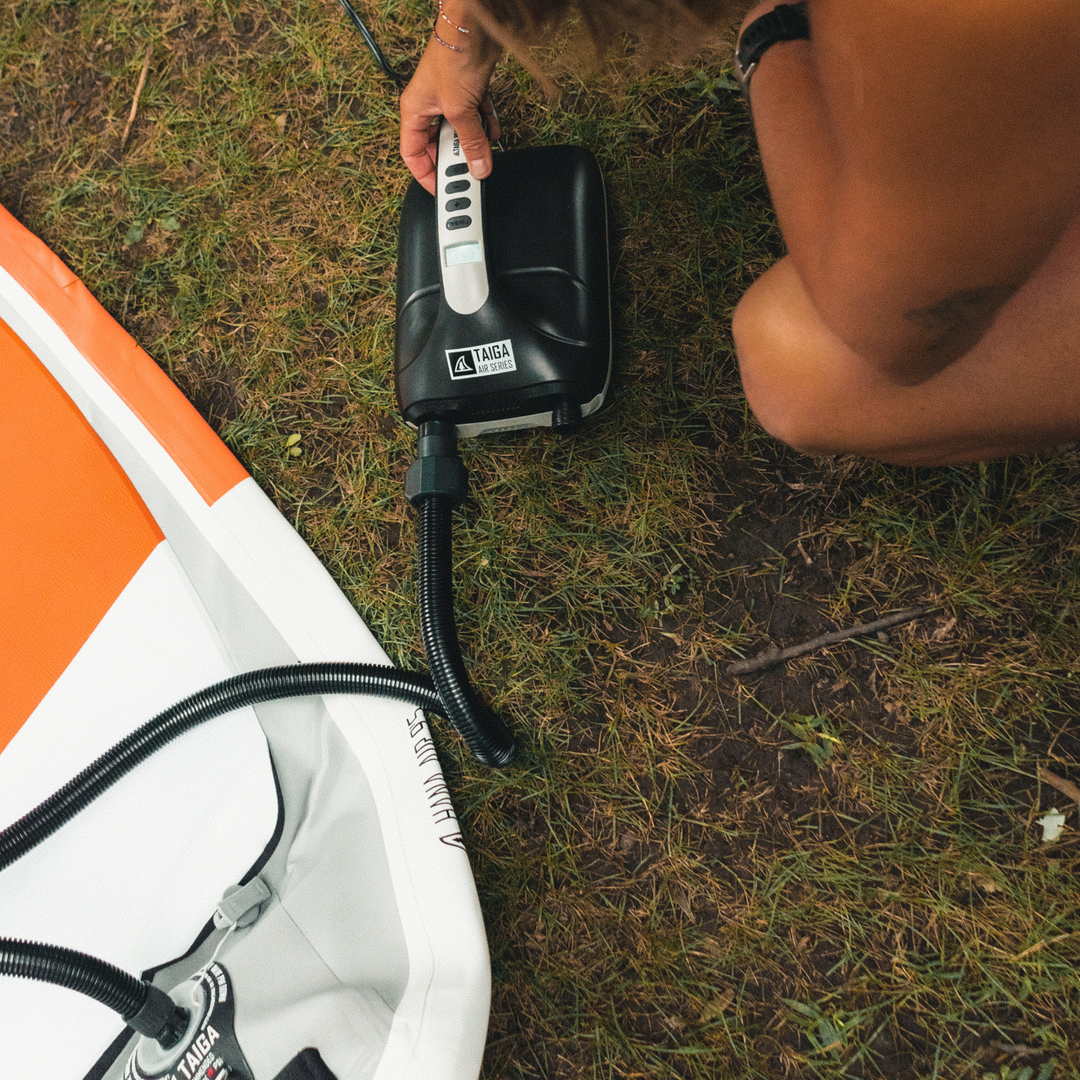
(983, 882)
(1052, 825)
(943, 631)
(281, 121)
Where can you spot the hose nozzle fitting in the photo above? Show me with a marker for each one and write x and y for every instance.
(437, 469)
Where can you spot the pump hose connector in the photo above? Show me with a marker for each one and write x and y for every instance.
(145, 1007)
(435, 484)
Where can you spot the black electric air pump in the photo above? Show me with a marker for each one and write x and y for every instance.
(503, 305)
(503, 323)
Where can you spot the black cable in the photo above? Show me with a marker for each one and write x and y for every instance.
(269, 684)
(373, 46)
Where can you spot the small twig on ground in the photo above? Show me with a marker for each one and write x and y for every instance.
(138, 93)
(1042, 945)
(778, 656)
(1066, 787)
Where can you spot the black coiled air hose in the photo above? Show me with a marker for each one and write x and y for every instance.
(435, 483)
(484, 733)
(145, 1007)
(269, 684)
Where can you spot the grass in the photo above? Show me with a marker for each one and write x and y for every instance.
(833, 870)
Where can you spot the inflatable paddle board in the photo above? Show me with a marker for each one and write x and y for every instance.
(140, 563)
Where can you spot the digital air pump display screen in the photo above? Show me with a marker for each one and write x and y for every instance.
(468, 252)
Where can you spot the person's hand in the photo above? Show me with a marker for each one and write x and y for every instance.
(451, 84)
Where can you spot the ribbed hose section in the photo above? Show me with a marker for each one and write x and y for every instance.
(75, 970)
(484, 733)
(268, 684)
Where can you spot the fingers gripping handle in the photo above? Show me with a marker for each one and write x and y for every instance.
(461, 228)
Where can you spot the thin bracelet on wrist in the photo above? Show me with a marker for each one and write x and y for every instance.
(446, 18)
(446, 44)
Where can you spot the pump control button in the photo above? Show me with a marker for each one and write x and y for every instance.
(462, 222)
(457, 170)
(458, 204)
(457, 185)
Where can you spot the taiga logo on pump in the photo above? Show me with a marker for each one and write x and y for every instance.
(494, 358)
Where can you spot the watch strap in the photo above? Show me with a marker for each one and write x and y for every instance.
(786, 22)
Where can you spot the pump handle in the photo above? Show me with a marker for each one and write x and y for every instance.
(462, 261)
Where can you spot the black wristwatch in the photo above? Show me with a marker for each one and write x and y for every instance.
(786, 22)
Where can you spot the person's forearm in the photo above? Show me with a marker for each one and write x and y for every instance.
(456, 23)
(451, 81)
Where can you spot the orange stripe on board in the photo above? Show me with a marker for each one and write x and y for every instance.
(73, 531)
(144, 387)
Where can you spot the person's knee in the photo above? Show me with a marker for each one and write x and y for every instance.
(777, 378)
